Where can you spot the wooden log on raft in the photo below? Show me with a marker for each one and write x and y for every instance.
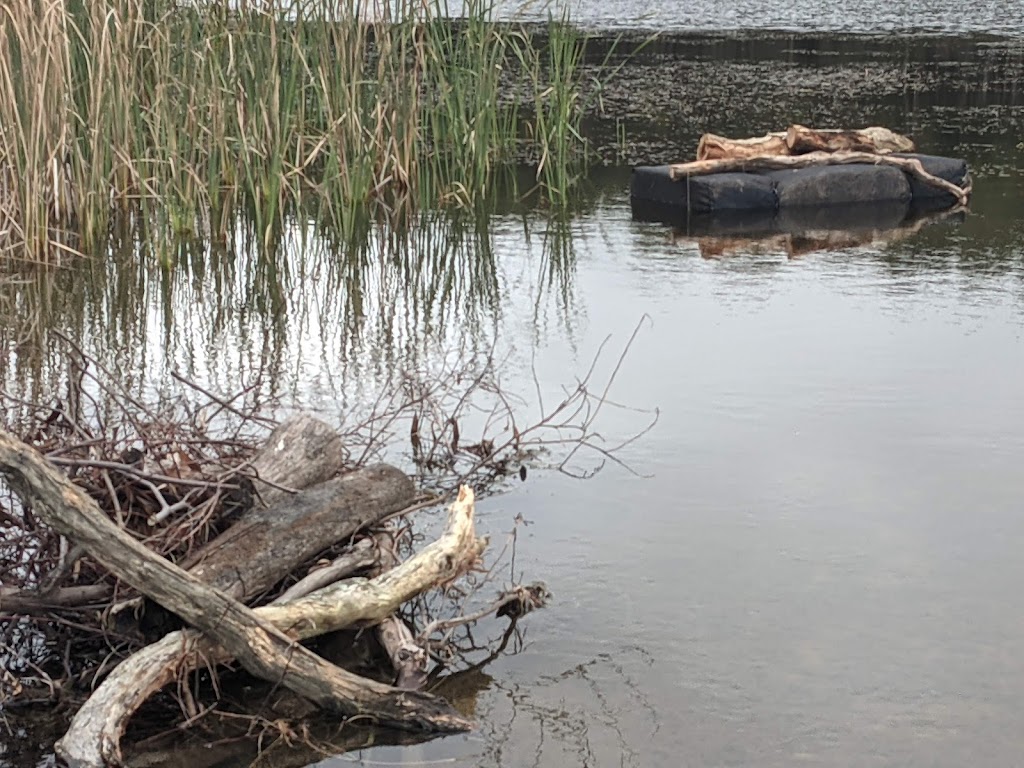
(907, 164)
(93, 739)
(262, 648)
(799, 140)
(713, 147)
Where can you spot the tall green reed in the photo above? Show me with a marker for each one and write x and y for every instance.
(179, 115)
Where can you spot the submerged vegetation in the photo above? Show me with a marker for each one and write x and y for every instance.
(180, 115)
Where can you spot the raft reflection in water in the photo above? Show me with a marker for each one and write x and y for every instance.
(798, 232)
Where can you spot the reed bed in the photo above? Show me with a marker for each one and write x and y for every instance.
(180, 114)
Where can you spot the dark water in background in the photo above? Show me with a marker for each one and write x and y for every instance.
(900, 16)
(822, 563)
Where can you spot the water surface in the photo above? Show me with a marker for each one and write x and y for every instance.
(819, 558)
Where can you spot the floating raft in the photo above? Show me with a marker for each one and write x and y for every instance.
(746, 179)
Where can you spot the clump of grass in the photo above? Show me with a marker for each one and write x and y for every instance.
(181, 114)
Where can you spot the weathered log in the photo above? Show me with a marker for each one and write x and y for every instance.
(27, 602)
(360, 555)
(94, 736)
(408, 659)
(267, 544)
(260, 647)
(799, 140)
(299, 453)
(908, 164)
(712, 147)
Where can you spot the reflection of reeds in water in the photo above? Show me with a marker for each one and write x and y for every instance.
(322, 309)
(189, 112)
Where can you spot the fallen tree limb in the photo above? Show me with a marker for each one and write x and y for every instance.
(300, 453)
(297, 517)
(408, 659)
(28, 602)
(908, 164)
(93, 738)
(260, 647)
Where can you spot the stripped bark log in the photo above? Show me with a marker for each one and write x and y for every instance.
(260, 647)
(27, 602)
(713, 147)
(360, 555)
(93, 738)
(408, 659)
(907, 164)
(799, 140)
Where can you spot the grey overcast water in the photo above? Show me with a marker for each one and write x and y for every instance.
(1001, 17)
(819, 562)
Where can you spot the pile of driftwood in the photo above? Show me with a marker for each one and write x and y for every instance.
(803, 147)
(145, 549)
(250, 592)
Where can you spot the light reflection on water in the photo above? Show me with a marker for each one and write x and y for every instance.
(823, 567)
(906, 16)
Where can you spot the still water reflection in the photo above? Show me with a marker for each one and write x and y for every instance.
(821, 562)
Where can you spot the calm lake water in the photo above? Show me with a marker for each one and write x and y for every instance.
(820, 560)
(916, 16)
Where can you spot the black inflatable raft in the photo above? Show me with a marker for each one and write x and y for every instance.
(755, 199)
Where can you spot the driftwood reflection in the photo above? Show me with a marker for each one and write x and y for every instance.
(799, 233)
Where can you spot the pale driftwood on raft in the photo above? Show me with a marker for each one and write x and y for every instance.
(799, 140)
(908, 164)
(94, 737)
(255, 641)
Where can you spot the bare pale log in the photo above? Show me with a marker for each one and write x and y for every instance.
(94, 736)
(712, 147)
(272, 538)
(802, 140)
(908, 164)
(408, 659)
(361, 555)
